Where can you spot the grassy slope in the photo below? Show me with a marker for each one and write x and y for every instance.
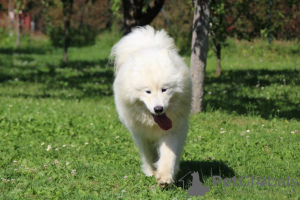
(250, 127)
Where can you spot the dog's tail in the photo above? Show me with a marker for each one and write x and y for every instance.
(140, 38)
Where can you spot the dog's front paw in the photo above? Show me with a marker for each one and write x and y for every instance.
(163, 179)
(147, 169)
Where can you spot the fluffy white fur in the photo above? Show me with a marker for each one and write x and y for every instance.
(147, 60)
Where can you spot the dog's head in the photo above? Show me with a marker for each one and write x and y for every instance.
(156, 81)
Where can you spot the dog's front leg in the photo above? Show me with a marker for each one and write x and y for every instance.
(169, 150)
(148, 154)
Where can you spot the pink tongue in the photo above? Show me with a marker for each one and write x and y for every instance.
(163, 121)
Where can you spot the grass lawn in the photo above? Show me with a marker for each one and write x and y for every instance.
(60, 137)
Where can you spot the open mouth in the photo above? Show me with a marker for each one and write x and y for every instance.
(163, 121)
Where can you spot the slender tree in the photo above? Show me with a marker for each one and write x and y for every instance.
(18, 12)
(223, 16)
(11, 17)
(137, 13)
(218, 29)
(67, 13)
(20, 6)
(199, 52)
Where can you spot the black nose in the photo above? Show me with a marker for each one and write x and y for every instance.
(158, 109)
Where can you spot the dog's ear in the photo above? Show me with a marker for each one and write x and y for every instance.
(164, 52)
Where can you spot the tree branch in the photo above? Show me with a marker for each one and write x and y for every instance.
(151, 12)
(233, 22)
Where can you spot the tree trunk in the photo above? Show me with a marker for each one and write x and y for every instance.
(131, 8)
(67, 12)
(219, 69)
(11, 18)
(199, 52)
(18, 30)
(134, 15)
(66, 45)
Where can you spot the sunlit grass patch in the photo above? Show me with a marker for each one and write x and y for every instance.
(60, 136)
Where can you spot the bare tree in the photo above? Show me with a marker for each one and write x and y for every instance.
(199, 52)
(135, 16)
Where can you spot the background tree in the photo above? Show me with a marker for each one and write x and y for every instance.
(199, 52)
(218, 29)
(247, 19)
(140, 13)
(74, 25)
(38, 10)
(11, 17)
(19, 7)
(223, 16)
(254, 21)
(67, 13)
(87, 20)
(180, 15)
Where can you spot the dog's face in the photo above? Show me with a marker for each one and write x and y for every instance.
(156, 97)
(155, 81)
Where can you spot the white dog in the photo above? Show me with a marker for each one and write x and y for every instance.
(152, 91)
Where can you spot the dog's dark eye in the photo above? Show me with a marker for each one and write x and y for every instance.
(148, 92)
(163, 90)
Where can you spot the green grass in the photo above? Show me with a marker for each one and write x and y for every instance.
(250, 126)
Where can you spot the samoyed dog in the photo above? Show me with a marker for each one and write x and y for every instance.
(152, 91)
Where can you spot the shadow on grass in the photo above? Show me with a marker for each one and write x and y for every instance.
(233, 92)
(24, 50)
(80, 64)
(91, 78)
(204, 168)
